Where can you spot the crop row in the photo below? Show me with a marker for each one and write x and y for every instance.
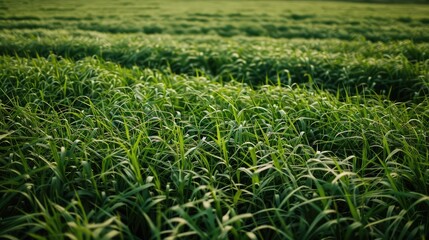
(398, 69)
(319, 30)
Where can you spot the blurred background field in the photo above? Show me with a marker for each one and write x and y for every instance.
(276, 19)
(352, 46)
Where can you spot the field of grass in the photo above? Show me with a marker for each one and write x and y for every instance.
(214, 120)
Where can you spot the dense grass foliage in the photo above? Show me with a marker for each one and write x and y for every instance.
(201, 120)
(142, 152)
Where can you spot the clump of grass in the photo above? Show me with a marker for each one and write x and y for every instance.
(91, 149)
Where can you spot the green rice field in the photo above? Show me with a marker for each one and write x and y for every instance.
(212, 119)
